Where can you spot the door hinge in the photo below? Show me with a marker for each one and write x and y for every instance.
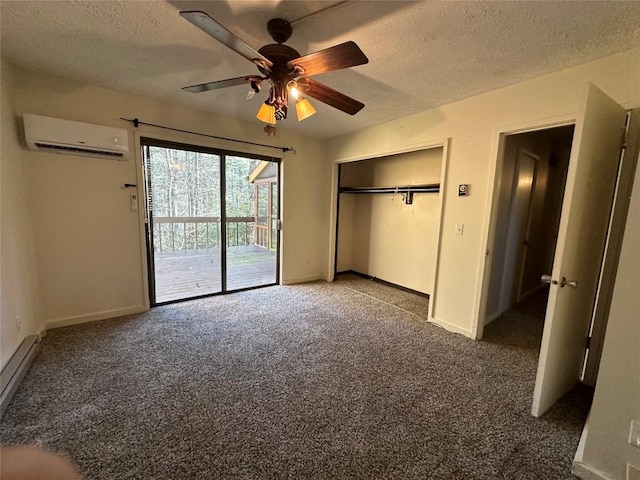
(625, 133)
(588, 343)
(278, 224)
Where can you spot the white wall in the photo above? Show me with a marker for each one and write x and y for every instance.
(18, 273)
(389, 239)
(473, 126)
(88, 244)
(344, 259)
(617, 396)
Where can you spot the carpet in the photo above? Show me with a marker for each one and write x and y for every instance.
(311, 381)
(410, 301)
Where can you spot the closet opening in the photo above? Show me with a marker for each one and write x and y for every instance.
(388, 222)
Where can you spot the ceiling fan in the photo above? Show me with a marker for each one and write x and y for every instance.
(284, 68)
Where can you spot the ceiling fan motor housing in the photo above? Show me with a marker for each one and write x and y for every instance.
(279, 29)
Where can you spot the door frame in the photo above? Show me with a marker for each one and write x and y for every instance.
(333, 217)
(491, 209)
(613, 246)
(224, 146)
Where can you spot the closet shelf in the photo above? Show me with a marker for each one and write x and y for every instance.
(407, 191)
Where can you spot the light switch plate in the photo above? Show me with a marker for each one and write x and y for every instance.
(460, 229)
(134, 202)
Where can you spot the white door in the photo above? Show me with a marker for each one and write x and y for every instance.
(519, 217)
(528, 184)
(586, 209)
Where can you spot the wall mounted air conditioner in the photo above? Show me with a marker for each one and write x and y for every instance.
(47, 134)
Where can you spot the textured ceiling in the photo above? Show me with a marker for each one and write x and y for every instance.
(421, 54)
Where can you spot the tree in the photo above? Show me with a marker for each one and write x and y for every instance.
(185, 183)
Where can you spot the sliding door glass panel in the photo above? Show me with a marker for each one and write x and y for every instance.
(249, 260)
(184, 219)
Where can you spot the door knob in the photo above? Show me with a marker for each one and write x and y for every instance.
(571, 283)
(548, 279)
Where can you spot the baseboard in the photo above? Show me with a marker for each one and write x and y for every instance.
(578, 468)
(451, 328)
(532, 292)
(584, 472)
(15, 370)
(308, 278)
(384, 282)
(577, 458)
(118, 312)
(491, 317)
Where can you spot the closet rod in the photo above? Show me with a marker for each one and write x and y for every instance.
(406, 191)
(431, 188)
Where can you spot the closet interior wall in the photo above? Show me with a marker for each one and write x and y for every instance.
(379, 235)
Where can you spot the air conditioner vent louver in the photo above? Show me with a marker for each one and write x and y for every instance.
(55, 135)
(42, 146)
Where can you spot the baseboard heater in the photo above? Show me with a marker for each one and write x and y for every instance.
(13, 373)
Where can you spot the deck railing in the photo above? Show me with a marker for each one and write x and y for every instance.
(194, 233)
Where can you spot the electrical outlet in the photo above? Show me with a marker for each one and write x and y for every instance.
(634, 433)
(633, 473)
(18, 322)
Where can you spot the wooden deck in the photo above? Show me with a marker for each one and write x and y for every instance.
(190, 273)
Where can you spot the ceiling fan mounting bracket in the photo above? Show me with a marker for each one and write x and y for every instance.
(279, 29)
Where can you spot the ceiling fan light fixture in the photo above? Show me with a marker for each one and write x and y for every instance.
(267, 114)
(292, 86)
(304, 109)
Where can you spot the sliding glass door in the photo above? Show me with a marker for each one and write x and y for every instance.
(206, 213)
(250, 259)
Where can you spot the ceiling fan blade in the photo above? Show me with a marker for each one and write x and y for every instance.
(341, 56)
(331, 97)
(209, 26)
(230, 82)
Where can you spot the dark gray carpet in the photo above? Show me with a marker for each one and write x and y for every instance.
(406, 300)
(314, 381)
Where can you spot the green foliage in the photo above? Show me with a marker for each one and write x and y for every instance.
(187, 184)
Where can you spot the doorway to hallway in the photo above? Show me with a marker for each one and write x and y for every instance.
(533, 177)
